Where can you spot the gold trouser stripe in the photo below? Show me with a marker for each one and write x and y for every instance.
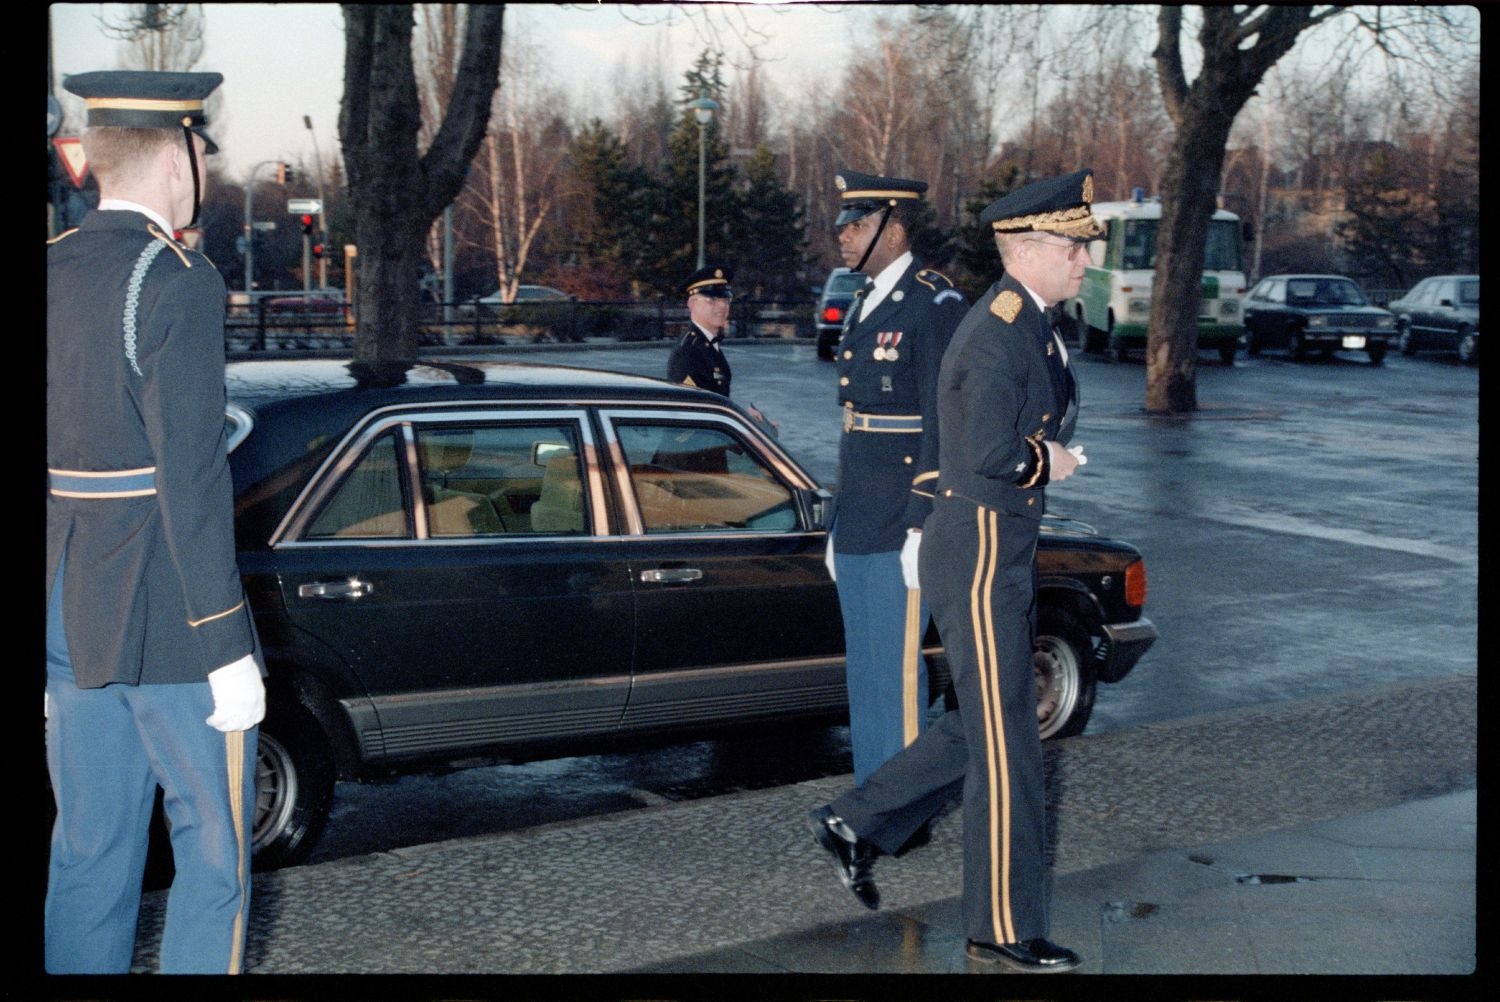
(909, 655)
(218, 615)
(981, 593)
(234, 748)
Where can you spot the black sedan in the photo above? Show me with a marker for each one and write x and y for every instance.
(1325, 312)
(475, 562)
(833, 304)
(1440, 312)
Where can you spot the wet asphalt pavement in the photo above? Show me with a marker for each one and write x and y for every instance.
(1311, 530)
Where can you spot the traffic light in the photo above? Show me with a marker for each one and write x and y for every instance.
(317, 251)
(307, 224)
(283, 173)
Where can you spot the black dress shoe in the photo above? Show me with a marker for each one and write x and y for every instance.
(1033, 956)
(853, 857)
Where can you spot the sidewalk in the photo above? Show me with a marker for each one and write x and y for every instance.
(1326, 836)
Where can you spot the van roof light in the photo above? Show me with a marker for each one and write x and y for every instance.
(1137, 195)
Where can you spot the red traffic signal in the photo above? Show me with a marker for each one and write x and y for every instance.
(317, 250)
(307, 223)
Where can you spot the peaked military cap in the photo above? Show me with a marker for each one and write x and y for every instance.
(1060, 205)
(146, 99)
(711, 280)
(863, 194)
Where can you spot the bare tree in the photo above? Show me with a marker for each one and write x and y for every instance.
(159, 36)
(516, 180)
(1238, 45)
(396, 193)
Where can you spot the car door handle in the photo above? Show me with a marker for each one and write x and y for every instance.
(671, 575)
(352, 588)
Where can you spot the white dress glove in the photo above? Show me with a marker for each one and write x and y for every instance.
(828, 560)
(239, 696)
(909, 558)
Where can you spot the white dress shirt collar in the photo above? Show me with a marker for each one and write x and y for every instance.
(121, 205)
(884, 283)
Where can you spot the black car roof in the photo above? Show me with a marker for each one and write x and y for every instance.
(251, 383)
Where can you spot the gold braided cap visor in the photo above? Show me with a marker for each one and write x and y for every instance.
(1075, 222)
(854, 196)
(706, 283)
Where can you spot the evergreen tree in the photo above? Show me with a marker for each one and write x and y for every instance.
(614, 236)
(770, 239)
(977, 264)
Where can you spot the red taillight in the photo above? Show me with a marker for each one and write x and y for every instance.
(833, 315)
(1135, 583)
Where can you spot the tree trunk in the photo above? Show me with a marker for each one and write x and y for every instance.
(396, 194)
(1189, 196)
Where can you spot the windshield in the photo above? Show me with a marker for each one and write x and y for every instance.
(845, 283)
(1222, 252)
(1323, 292)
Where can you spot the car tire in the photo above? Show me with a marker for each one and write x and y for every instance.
(1468, 346)
(1297, 348)
(1118, 349)
(1406, 341)
(1376, 353)
(1227, 353)
(1063, 667)
(1252, 345)
(294, 777)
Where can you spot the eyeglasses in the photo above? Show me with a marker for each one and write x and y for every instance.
(1072, 247)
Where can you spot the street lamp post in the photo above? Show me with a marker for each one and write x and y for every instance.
(250, 230)
(703, 111)
(323, 212)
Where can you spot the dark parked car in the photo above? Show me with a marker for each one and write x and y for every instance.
(833, 302)
(1440, 312)
(487, 561)
(1326, 312)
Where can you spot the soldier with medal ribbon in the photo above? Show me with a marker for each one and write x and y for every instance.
(698, 357)
(153, 666)
(894, 336)
(1004, 396)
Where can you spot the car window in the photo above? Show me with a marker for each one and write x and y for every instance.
(1422, 294)
(1468, 293)
(493, 480)
(1140, 244)
(369, 503)
(1262, 291)
(700, 478)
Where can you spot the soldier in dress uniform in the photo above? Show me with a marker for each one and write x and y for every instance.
(153, 667)
(888, 355)
(1003, 395)
(698, 357)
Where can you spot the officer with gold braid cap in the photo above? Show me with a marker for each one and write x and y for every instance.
(153, 666)
(1004, 388)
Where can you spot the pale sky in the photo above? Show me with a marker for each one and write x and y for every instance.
(283, 61)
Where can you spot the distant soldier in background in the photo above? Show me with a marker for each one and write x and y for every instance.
(698, 357)
(153, 666)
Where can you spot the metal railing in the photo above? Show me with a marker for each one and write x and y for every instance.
(269, 325)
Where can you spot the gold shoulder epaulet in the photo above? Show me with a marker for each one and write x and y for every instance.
(688, 381)
(927, 273)
(1007, 306)
(64, 233)
(176, 247)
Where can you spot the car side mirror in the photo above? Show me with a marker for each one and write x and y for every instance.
(1446, 302)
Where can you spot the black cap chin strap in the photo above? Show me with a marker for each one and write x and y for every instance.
(187, 135)
(885, 215)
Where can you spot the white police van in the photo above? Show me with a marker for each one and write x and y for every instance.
(1113, 306)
